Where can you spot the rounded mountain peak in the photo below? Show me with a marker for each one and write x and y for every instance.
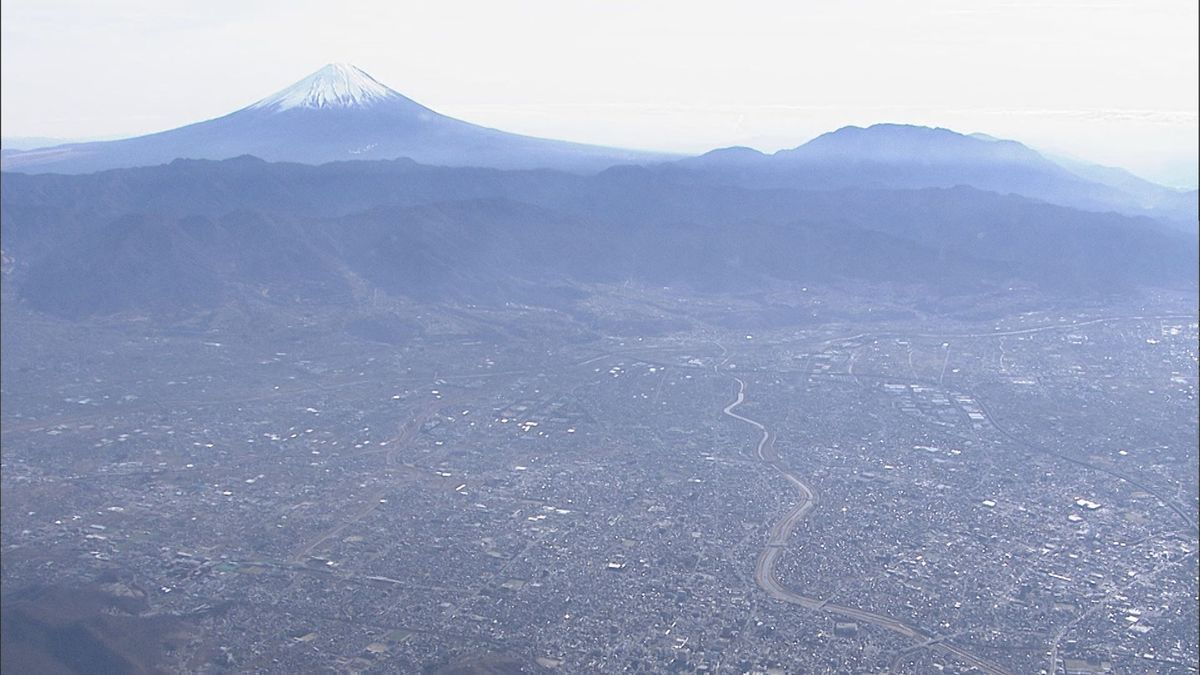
(337, 85)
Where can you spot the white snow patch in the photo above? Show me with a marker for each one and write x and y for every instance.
(337, 85)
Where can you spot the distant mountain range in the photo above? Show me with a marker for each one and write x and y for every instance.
(337, 113)
(194, 235)
(13, 144)
(902, 156)
(341, 113)
(367, 189)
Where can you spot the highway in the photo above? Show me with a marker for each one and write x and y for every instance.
(1016, 331)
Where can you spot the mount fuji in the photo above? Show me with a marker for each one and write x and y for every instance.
(337, 113)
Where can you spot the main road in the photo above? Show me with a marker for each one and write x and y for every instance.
(764, 568)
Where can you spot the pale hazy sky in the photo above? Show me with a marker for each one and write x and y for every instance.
(1111, 81)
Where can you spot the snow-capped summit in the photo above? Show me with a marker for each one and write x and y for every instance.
(337, 85)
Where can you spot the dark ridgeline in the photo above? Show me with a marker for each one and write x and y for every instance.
(905, 157)
(193, 234)
(341, 113)
(504, 217)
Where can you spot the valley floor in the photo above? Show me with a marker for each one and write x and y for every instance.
(517, 490)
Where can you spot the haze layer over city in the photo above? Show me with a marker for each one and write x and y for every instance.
(591, 338)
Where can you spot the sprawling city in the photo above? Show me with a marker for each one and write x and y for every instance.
(1014, 495)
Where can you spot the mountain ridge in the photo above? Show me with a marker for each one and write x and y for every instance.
(195, 234)
(336, 113)
(340, 113)
(903, 156)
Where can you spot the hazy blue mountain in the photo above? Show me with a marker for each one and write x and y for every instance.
(191, 235)
(10, 144)
(1149, 195)
(337, 113)
(340, 113)
(904, 156)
